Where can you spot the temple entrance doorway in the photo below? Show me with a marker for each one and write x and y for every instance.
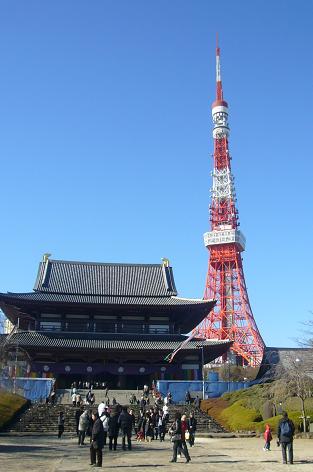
(97, 381)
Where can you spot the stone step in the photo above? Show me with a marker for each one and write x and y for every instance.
(122, 396)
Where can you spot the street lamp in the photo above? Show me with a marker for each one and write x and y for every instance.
(202, 361)
(228, 375)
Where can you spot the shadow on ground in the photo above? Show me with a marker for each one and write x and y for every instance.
(12, 449)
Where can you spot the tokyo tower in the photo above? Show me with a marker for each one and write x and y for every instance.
(232, 317)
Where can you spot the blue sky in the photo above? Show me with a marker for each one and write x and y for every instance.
(106, 140)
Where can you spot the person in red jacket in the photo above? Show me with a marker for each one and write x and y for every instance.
(268, 438)
(184, 429)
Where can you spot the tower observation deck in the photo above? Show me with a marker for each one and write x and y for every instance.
(232, 317)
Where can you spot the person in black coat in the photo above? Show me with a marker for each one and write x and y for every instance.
(192, 428)
(285, 432)
(97, 441)
(125, 422)
(60, 424)
(113, 428)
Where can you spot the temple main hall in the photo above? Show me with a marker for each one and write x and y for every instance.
(107, 322)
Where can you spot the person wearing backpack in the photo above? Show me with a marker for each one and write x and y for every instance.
(285, 433)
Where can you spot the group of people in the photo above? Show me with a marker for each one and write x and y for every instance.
(89, 385)
(195, 401)
(103, 426)
(285, 433)
(152, 423)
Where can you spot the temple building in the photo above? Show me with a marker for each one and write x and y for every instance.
(113, 323)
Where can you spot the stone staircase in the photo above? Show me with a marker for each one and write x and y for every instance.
(42, 418)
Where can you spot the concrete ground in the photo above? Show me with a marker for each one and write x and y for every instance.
(48, 454)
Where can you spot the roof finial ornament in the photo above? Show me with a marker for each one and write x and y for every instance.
(45, 257)
(165, 262)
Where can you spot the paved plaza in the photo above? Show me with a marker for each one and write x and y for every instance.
(46, 453)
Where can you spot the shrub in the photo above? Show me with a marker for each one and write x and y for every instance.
(10, 404)
(237, 417)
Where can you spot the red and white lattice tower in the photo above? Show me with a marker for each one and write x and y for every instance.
(232, 316)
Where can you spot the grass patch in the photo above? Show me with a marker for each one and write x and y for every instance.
(242, 410)
(10, 404)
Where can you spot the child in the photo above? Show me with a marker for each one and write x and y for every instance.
(268, 438)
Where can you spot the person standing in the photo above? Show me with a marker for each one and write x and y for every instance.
(113, 428)
(132, 414)
(192, 428)
(148, 427)
(78, 399)
(161, 425)
(141, 425)
(169, 398)
(176, 437)
(101, 408)
(166, 413)
(88, 397)
(97, 441)
(78, 412)
(285, 432)
(267, 438)
(61, 420)
(125, 422)
(74, 398)
(82, 427)
(105, 422)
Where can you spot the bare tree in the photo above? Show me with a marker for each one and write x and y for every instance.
(294, 378)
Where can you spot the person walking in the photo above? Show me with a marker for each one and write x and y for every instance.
(97, 441)
(285, 432)
(267, 438)
(82, 427)
(184, 432)
(197, 402)
(192, 428)
(125, 422)
(188, 398)
(176, 437)
(61, 420)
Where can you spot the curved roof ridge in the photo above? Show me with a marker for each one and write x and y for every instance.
(187, 299)
(131, 264)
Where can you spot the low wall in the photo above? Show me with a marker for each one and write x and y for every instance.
(29, 388)
(212, 389)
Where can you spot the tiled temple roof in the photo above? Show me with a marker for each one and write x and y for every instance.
(104, 287)
(89, 278)
(114, 342)
(100, 299)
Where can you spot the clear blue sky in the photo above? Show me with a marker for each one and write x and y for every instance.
(105, 140)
